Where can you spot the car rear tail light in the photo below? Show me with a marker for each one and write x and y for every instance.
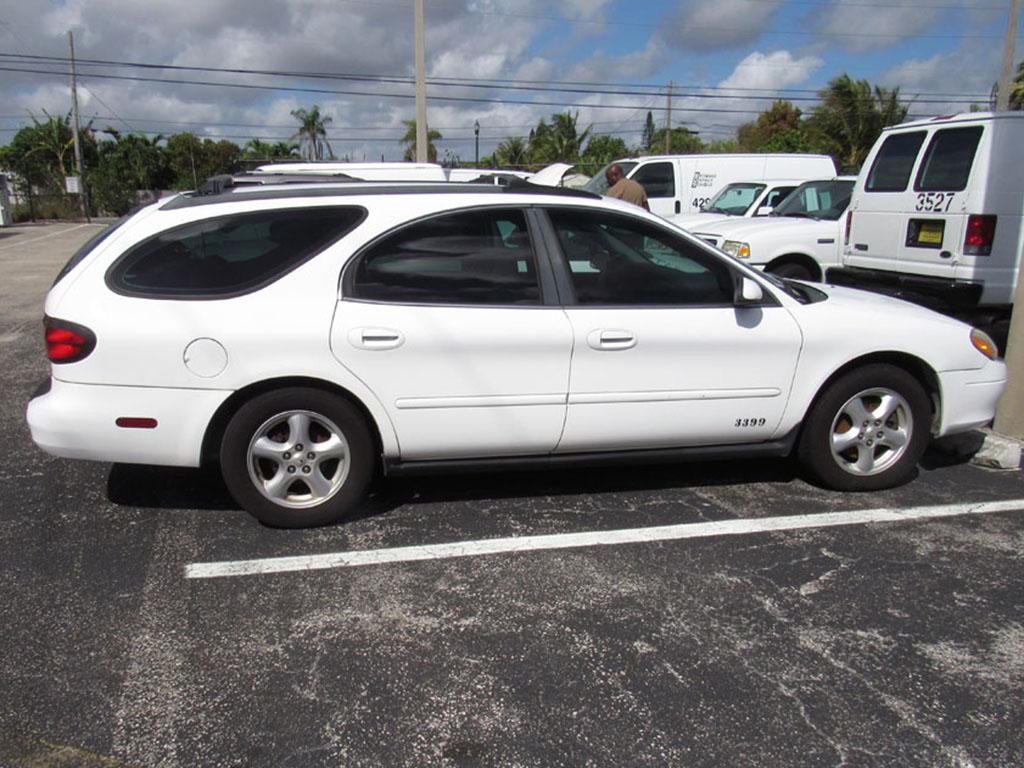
(67, 342)
(981, 231)
(849, 224)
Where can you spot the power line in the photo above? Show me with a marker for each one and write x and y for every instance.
(618, 89)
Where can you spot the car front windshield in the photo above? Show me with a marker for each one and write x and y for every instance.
(734, 199)
(817, 200)
(598, 184)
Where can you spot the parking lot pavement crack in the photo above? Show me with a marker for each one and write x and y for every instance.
(153, 704)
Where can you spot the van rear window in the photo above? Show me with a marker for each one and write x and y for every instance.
(947, 163)
(895, 160)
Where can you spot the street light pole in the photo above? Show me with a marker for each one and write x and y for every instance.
(476, 136)
(82, 198)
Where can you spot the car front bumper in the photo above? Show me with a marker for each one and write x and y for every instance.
(969, 398)
(78, 421)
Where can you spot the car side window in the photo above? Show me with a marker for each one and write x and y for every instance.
(617, 260)
(229, 254)
(776, 196)
(895, 160)
(948, 160)
(657, 179)
(471, 257)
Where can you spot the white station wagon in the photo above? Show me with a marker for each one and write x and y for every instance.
(306, 335)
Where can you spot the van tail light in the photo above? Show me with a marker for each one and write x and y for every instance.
(67, 342)
(981, 231)
(849, 224)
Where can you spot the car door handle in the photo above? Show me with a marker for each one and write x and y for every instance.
(611, 339)
(375, 338)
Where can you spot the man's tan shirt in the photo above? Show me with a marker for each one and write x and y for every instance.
(630, 191)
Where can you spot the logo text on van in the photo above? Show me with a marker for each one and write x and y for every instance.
(702, 179)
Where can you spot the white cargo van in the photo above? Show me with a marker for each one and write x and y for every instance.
(936, 213)
(685, 183)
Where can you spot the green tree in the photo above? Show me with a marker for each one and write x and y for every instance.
(561, 141)
(601, 150)
(409, 140)
(851, 116)
(312, 134)
(647, 141)
(683, 142)
(191, 160)
(513, 152)
(125, 164)
(1017, 88)
(780, 128)
(257, 149)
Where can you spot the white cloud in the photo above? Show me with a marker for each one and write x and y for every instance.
(703, 25)
(778, 69)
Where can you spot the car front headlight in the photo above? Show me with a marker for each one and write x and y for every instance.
(737, 249)
(984, 344)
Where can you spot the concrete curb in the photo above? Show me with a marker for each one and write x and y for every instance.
(984, 447)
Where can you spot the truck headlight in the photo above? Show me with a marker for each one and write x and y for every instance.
(737, 249)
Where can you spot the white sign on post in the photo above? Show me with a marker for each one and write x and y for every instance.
(71, 185)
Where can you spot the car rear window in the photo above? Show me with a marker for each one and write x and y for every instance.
(229, 255)
(471, 257)
(895, 160)
(947, 163)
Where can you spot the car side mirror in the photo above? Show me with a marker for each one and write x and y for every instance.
(748, 292)
(764, 210)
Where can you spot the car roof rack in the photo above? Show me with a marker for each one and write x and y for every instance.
(269, 186)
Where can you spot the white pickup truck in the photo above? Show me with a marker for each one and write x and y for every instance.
(800, 239)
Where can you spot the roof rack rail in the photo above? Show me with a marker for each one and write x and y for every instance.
(216, 185)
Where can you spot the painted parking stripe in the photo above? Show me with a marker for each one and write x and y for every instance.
(47, 236)
(590, 539)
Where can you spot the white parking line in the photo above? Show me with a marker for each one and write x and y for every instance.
(47, 236)
(590, 539)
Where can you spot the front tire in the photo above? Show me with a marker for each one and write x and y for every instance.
(794, 271)
(867, 430)
(297, 457)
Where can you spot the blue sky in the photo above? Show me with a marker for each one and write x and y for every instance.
(727, 59)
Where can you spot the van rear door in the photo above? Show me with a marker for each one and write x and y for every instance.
(913, 205)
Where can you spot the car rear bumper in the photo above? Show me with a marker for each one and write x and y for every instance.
(921, 289)
(78, 421)
(969, 398)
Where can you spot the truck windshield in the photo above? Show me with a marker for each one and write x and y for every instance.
(734, 199)
(817, 200)
(598, 184)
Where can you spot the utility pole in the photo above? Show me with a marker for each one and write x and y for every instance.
(1006, 76)
(668, 122)
(1010, 413)
(82, 195)
(476, 136)
(421, 87)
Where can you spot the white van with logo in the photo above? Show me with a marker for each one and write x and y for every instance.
(683, 184)
(936, 213)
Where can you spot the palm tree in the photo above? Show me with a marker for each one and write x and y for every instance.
(560, 141)
(312, 135)
(851, 116)
(409, 140)
(512, 152)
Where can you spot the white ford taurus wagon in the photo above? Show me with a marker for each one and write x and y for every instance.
(305, 335)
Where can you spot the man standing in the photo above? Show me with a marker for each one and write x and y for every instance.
(622, 188)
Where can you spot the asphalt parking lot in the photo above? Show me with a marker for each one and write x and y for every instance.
(698, 615)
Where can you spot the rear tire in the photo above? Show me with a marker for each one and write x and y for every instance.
(297, 457)
(867, 430)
